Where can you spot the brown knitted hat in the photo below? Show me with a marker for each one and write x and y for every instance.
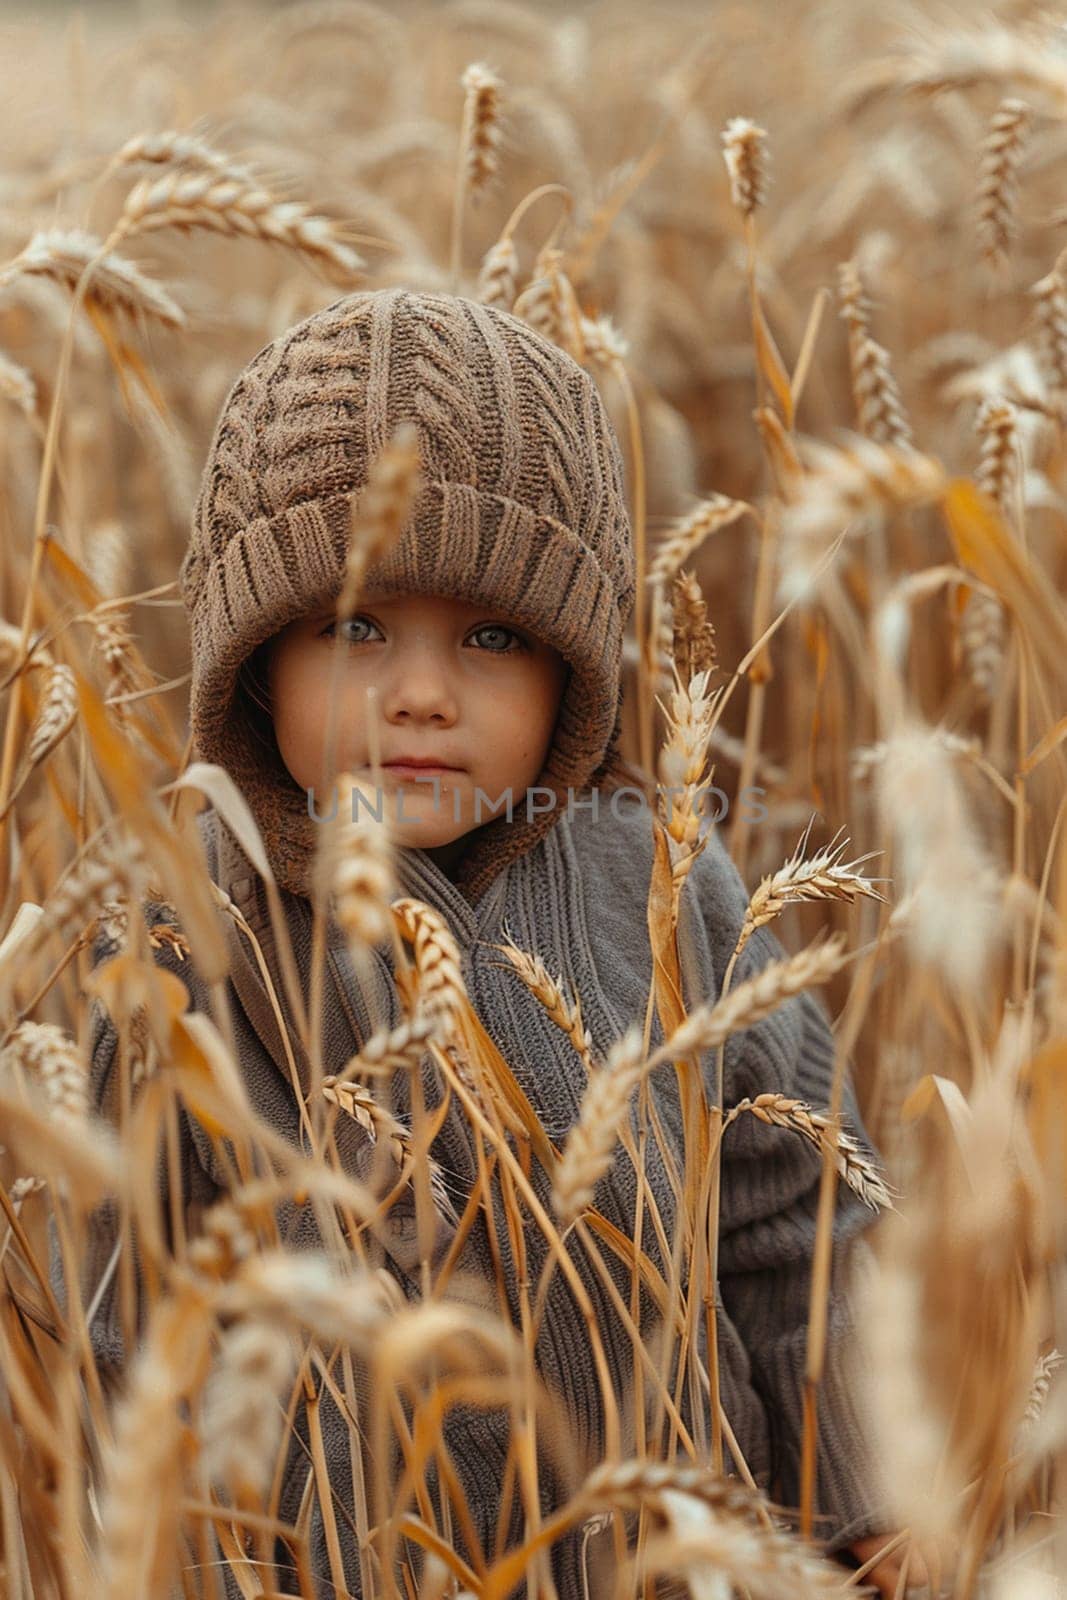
(522, 509)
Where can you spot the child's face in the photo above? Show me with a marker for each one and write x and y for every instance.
(446, 681)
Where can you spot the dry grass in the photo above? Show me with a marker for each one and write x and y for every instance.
(849, 531)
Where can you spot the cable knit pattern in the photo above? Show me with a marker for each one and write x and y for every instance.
(523, 509)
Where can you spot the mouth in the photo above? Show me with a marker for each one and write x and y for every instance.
(425, 768)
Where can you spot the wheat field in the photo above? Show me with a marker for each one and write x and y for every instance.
(814, 259)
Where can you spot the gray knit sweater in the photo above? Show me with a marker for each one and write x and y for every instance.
(578, 899)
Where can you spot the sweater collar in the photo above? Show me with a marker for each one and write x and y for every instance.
(417, 875)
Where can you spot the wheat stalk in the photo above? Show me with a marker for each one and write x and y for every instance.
(1044, 1367)
(632, 1485)
(56, 713)
(983, 639)
(499, 274)
(12, 660)
(549, 304)
(354, 863)
(122, 663)
(142, 1492)
(746, 161)
(437, 963)
(383, 1129)
(866, 758)
(590, 1146)
(541, 304)
(853, 300)
(683, 757)
(113, 873)
(718, 1552)
(226, 1238)
(861, 1174)
(1050, 297)
(381, 510)
(172, 148)
(861, 479)
(661, 641)
(712, 1023)
(693, 647)
(63, 254)
(1002, 151)
(822, 877)
(941, 57)
(881, 413)
(547, 992)
(878, 405)
(394, 1049)
(997, 425)
(685, 536)
(107, 558)
(305, 1291)
(955, 917)
(478, 158)
(482, 90)
(228, 203)
(602, 344)
(51, 1057)
(18, 386)
(241, 1426)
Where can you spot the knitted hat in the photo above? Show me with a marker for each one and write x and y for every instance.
(521, 509)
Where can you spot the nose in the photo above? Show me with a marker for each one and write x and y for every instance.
(418, 688)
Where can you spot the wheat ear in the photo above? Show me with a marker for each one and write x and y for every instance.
(685, 536)
(591, 1142)
(709, 1025)
(225, 203)
(1002, 152)
(778, 1110)
(745, 155)
(63, 254)
(822, 877)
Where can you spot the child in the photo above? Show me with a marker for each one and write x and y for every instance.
(491, 634)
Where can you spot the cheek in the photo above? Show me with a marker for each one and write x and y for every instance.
(299, 701)
(528, 718)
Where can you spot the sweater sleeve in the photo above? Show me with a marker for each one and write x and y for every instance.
(768, 1207)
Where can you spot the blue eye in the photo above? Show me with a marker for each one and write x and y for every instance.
(498, 644)
(347, 624)
(497, 628)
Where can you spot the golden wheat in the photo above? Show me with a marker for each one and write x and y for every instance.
(591, 1142)
(381, 510)
(228, 203)
(242, 1415)
(52, 1060)
(746, 161)
(63, 254)
(855, 1168)
(710, 1024)
(693, 647)
(822, 877)
(548, 992)
(482, 122)
(689, 533)
(499, 274)
(1002, 152)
